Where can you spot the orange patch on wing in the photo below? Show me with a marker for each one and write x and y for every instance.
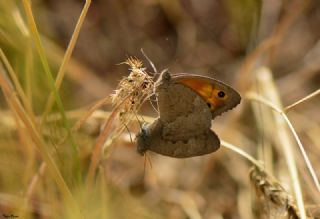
(204, 89)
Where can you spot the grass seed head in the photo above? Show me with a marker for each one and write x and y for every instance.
(133, 90)
(273, 199)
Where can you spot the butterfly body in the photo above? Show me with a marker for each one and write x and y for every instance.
(183, 127)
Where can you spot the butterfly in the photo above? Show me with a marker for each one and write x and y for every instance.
(187, 104)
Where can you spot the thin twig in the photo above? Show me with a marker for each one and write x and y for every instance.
(313, 94)
(92, 109)
(242, 153)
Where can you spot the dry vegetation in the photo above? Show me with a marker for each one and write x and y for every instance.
(68, 151)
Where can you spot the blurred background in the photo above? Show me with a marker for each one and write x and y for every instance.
(231, 40)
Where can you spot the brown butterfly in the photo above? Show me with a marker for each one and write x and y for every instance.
(187, 104)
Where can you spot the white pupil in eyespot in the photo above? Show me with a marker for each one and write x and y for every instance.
(221, 94)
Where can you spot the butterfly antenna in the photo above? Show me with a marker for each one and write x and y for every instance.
(144, 121)
(146, 159)
(140, 124)
(159, 78)
(128, 130)
(150, 62)
(152, 101)
(144, 165)
(149, 160)
(156, 101)
(153, 106)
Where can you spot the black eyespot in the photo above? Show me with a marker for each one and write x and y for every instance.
(209, 105)
(221, 94)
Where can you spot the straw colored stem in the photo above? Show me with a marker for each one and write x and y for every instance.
(16, 107)
(36, 37)
(289, 155)
(313, 94)
(17, 85)
(242, 153)
(97, 150)
(67, 56)
(313, 174)
(90, 112)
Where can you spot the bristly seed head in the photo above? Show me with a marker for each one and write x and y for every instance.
(273, 199)
(133, 90)
(134, 63)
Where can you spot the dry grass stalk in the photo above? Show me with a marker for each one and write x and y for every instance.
(15, 82)
(313, 94)
(89, 113)
(77, 72)
(273, 199)
(16, 107)
(67, 57)
(265, 126)
(242, 153)
(260, 99)
(132, 91)
(128, 98)
(283, 138)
